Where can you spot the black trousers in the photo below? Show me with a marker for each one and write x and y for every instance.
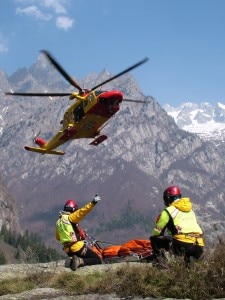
(187, 249)
(176, 247)
(88, 255)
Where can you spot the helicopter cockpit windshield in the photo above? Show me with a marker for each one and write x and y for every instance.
(108, 98)
(98, 92)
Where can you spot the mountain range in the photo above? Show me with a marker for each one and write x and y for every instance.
(204, 119)
(145, 152)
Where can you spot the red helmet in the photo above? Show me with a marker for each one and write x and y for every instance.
(171, 194)
(70, 205)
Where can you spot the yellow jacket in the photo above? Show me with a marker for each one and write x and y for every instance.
(180, 221)
(74, 218)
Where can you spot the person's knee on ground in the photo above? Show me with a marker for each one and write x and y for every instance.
(89, 256)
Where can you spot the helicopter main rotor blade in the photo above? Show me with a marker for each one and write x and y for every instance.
(38, 94)
(121, 73)
(61, 70)
(132, 100)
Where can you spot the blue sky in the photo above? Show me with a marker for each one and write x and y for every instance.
(184, 40)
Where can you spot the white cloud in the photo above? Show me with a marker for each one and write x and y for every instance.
(64, 22)
(3, 44)
(38, 8)
(33, 11)
(57, 5)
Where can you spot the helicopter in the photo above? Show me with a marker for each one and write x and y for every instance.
(88, 114)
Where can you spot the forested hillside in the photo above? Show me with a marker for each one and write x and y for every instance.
(26, 248)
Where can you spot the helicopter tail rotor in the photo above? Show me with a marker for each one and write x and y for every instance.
(39, 141)
(36, 135)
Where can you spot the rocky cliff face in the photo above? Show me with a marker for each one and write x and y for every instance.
(9, 215)
(145, 152)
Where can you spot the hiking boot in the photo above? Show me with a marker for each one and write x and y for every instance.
(68, 262)
(76, 263)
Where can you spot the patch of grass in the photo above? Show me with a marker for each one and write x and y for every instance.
(75, 284)
(15, 286)
(29, 282)
(204, 279)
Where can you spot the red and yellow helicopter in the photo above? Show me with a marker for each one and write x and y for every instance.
(86, 116)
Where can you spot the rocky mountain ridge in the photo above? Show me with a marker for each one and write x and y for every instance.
(145, 152)
(204, 119)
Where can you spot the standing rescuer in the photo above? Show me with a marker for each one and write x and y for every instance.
(185, 237)
(72, 237)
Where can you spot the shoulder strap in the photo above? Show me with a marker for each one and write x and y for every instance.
(170, 225)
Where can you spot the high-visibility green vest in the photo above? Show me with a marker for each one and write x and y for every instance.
(65, 229)
(185, 222)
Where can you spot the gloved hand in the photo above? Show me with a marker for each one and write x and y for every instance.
(96, 199)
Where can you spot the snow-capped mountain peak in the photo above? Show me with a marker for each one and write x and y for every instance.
(204, 119)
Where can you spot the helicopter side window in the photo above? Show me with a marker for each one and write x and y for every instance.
(85, 103)
(90, 97)
(78, 113)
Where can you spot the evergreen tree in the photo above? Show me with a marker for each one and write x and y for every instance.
(29, 247)
(2, 259)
